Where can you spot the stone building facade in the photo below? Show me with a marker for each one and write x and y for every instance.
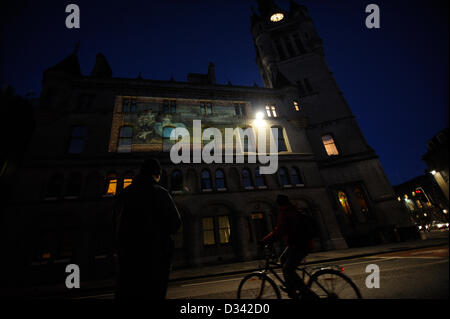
(93, 132)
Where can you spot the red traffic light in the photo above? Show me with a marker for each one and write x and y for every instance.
(418, 191)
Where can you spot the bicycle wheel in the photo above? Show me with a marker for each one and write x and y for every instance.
(258, 286)
(332, 284)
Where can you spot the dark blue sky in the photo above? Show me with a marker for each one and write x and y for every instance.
(395, 78)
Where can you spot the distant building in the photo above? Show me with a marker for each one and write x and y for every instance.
(437, 159)
(423, 199)
(94, 131)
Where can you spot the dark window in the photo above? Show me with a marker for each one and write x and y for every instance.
(133, 106)
(296, 177)
(284, 177)
(54, 186)
(237, 109)
(280, 49)
(220, 179)
(289, 47)
(208, 108)
(126, 106)
(247, 179)
(203, 108)
(85, 101)
(77, 139)
(280, 140)
(173, 106)
(125, 139)
(176, 180)
(308, 85)
(165, 106)
(259, 179)
(206, 180)
(74, 185)
(299, 44)
(301, 89)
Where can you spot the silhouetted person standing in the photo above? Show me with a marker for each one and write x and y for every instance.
(146, 218)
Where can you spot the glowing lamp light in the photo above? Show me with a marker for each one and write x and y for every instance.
(259, 115)
(433, 172)
(259, 121)
(276, 17)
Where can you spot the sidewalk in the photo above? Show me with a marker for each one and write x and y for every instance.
(60, 291)
(314, 258)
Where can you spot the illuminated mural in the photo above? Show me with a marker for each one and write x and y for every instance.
(144, 124)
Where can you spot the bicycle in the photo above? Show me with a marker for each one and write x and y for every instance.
(326, 282)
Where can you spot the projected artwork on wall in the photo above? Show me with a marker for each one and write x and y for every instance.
(144, 124)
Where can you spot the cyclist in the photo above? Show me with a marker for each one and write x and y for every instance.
(292, 230)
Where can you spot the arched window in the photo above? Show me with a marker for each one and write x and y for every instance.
(280, 139)
(111, 185)
(344, 203)
(330, 145)
(206, 180)
(284, 177)
(128, 179)
(259, 179)
(54, 186)
(296, 177)
(361, 200)
(220, 180)
(125, 139)
(176, 180)
(247, 179)
(74, 185)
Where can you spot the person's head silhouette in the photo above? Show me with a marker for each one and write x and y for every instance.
(151, 168)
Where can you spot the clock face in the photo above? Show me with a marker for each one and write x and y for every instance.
(276, 17)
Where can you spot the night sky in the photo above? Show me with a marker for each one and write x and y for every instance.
(395, 78)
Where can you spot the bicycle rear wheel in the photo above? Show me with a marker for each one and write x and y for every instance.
(332, 284)
(258, 286)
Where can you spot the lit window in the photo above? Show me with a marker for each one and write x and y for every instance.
(127, 182)
(125, 139)
(224, 230)
(296, 106)
(271, 111)
(246, 179)
(111, 183)
(77, 139)
(269, 114)
(208, 231)
(344, 203)
(330, 146)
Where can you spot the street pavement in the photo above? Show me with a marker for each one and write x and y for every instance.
(413, 269)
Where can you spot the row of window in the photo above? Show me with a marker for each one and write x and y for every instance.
(288, 43)
(247, 140)
(170, 107)
(287, 178)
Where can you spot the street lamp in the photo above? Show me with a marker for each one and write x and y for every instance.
(259, 120)
(433, 172)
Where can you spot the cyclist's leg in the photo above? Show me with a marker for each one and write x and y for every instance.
(293, 281)
(289, 271)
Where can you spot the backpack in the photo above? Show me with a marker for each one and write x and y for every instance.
(309, 226)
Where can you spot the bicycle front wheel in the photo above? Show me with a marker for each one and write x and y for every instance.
(332, 284)
(258, 286)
